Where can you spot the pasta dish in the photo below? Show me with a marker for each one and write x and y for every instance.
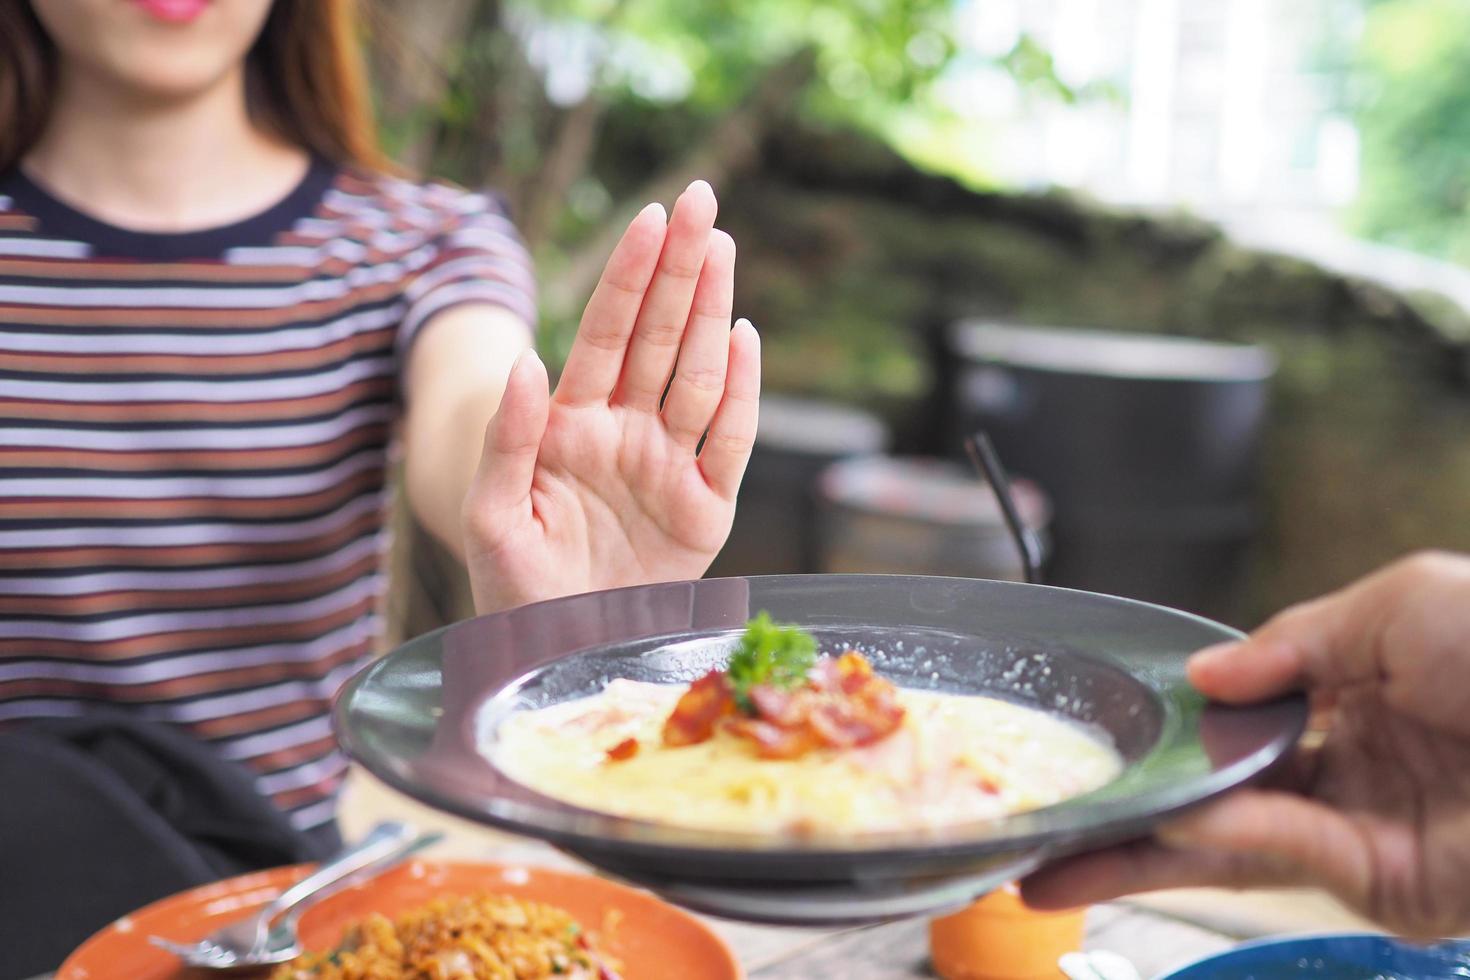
(799, 744)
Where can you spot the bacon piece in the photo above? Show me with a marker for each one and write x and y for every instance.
(855, 721)
(848, 673)
(624, 750)
(825, 676)
(777, 706)
(843, 705)
(699, 711)
(853, 671)
(773, 741)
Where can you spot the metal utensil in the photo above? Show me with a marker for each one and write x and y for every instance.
(987, 462)
(269, 936)
(1098, 964)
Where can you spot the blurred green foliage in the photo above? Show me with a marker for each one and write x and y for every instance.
(870, 53)
(478, 90)
(868, 50)
(578, 110)
(1414, 117)
(876, 62)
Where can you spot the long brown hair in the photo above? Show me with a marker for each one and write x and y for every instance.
(305, 81)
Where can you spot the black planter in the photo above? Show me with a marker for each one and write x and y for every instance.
(920, 516)
(1148, 447)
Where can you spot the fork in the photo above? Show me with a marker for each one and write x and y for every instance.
(269, 936)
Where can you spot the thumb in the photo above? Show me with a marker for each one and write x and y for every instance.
(1323, 644)
(513, 439)
(1401, 625)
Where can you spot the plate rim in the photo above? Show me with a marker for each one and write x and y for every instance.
(286, 874)
(1263, 942)
(1118, 827)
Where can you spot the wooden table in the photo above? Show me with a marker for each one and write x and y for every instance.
(1153, 942)
(1157, 933)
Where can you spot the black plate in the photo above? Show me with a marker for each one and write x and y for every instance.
(417, 719)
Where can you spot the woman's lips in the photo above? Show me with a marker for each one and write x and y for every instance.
(174, 11)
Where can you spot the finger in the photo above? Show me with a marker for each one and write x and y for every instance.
(731, 435)
(597, 354)
(1318, 844)
(1326, 643)
(1374, 629)
(1140, 866)
(1249, 839)
(665, 312)
(502, 483)
(699, 375)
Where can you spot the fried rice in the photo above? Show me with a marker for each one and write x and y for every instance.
(475, 937)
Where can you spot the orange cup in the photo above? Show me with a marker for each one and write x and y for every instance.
(999, 938)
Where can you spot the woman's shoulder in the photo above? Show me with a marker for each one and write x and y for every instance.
(402, 202)
(459, 244)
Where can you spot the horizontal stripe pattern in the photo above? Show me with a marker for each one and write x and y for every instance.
(193, 456)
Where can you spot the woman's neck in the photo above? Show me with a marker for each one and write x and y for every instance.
(163, 165)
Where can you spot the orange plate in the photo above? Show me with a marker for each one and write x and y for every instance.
(654, 940)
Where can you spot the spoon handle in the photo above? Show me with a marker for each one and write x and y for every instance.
(384, 846)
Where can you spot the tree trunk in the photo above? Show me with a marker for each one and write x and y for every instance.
(569, 153)
(413, 56)
(565, 162)
(730, 148)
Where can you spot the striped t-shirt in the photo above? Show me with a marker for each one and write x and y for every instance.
(194, 430)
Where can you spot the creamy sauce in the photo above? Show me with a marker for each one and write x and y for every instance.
(955, 759)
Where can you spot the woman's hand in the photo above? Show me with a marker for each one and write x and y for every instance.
(1379, 813)
(599, 485)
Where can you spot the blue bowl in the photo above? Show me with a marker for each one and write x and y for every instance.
(1345, 956)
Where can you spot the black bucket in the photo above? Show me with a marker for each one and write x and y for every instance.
(916, 516)
(1148, 446)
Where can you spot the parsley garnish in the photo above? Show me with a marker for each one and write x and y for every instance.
(779, 656)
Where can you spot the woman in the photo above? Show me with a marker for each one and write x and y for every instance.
(215, 308)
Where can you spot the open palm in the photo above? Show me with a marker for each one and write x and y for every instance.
(628, 473)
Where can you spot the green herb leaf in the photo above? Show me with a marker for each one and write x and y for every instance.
(780, 656)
